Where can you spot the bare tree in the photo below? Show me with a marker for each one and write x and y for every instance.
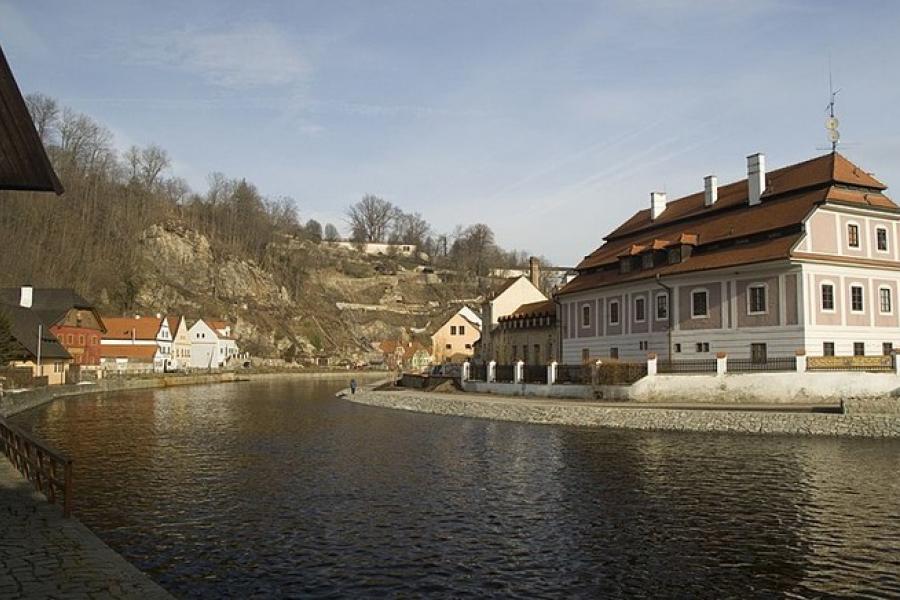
(410, 228)
(331, 233)
(45, 114)
(370, 219)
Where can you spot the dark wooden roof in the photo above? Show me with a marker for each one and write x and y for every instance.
(23, 161)
(24, 325)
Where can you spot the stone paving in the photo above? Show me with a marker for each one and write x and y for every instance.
(43, 555)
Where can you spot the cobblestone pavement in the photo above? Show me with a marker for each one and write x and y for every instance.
(43, 555)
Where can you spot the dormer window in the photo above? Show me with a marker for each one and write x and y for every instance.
(647, 261)
(674, 256)
(625, 265)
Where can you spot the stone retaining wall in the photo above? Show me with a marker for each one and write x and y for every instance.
(12, 403)
(634, 417)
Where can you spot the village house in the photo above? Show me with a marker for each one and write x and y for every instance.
(71, 318)
(454, 340)
(529, 334)
(410, 356)
(139, 343)
(803, 258)
(212, 344)
(514, 293)
(181, 342)
(376, 248)
(36, 348)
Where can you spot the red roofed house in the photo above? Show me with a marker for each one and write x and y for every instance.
(137, 344)
(804, 257)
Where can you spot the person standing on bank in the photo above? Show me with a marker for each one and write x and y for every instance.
(352, 386)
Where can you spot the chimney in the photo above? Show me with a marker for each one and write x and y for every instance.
(26, 296)
(657, 204)
(534, 271)
(710, 190)
(756, 177)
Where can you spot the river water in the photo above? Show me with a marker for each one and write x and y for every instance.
(276, 489)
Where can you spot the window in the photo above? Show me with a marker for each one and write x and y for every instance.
(677, 348)
(756, 299)
(585, 356)
(453, 330)
(537, 353)
(462, 330)
(758, 353)
(702, 347)
(647, 261)
(881, 237)
(640, 310)
(674, 256)
(859, 348)
(625, 265)
(827, 296)
(662, 307)
(856, 298)
(94, 339)
(643, 345)
(887, 348)
(614, 353)
(468, 346)
(81, 339)
(448, 346)
(884, 300)
(853, 235)
(827, 348)
(614, 312)
(699, 304)
(586, 315)
(70, 338)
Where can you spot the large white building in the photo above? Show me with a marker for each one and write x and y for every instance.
(806, 257)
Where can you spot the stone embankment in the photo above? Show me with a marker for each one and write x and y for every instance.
(15, 402)
(636, 416)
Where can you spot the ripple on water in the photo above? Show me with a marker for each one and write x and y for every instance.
(275, 489)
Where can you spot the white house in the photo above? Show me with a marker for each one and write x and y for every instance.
(514, 292)
(212, 344)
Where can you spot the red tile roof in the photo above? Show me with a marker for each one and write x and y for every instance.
(791, 194)
(143, 352)
(543, 308)
(120, 328)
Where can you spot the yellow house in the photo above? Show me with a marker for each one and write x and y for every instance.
(454, 340)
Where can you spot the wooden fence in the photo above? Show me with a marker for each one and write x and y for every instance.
(49, 471)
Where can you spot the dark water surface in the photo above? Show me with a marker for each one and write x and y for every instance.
(274, 488)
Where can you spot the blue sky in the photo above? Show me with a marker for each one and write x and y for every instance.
(551, 121)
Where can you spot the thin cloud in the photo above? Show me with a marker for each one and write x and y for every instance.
(244, 57)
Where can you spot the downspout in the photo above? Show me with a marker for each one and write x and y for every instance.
(559, 332)
(669, 311)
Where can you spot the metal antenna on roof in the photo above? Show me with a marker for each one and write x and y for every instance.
(831, 122)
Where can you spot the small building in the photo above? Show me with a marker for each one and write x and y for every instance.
(530, 334)
(376, 248)
(71, 318)
(35, 346)
(515, 292)
(212, 344)
(410, 356)
(181, 342)
(123, 333)
(455, 338)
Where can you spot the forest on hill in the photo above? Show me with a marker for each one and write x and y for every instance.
(89, 238)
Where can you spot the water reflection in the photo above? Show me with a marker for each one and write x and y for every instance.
(275, 488)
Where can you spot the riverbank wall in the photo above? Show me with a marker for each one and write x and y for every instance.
(16, 402)
(634, 416)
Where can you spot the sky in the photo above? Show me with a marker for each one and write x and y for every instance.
(549, 120)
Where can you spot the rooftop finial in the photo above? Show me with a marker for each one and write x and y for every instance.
(831, 122)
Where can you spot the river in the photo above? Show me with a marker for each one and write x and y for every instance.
(275, 488)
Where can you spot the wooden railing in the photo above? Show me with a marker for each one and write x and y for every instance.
(49, 471)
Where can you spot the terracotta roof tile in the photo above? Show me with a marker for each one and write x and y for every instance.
(532, 309)
(143, 352)
(120, 328)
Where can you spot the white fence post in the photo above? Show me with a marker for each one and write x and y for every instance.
(491, 375)
(801, 360)
(466, 370)
(551, 373)
(896, 357)
(651, 364)
(721, 364)
(519, 375)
